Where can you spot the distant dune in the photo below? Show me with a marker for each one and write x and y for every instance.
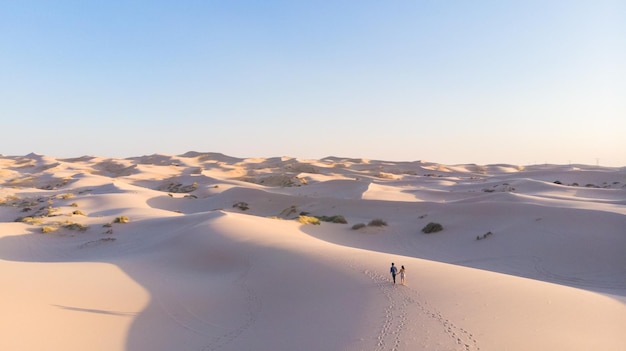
(204, 251)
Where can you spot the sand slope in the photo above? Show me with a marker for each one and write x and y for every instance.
(213, 257)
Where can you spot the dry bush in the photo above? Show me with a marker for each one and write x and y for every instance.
(29, 220)
(79, 213)
(75, 226)
(308, 220)
(432, 227)
(48, 229)
(121, 219)
(242, 206)
(377, 223)
(358, 226)
(333, 219)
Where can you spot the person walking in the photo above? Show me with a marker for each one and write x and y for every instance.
(394, 271)
(403, 275)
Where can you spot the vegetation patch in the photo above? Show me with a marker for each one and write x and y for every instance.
(377, 223)
(121, 219)
(48, 229)
(175, 187)
(358, 226)
(242, 206)
(432, 227)
(484, 236)
(29, 220)
(309, 220)
(333, 219)
(75, 226)
(79, 213)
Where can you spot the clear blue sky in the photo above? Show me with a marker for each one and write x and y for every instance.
(445, 81)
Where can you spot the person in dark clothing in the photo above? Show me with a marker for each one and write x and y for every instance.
(394, 271)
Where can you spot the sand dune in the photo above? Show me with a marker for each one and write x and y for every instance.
(204, 251)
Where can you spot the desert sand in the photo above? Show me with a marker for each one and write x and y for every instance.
(204, 251)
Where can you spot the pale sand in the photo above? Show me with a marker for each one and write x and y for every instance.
(191, 271)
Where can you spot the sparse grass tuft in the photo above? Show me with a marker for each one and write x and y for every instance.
(75, 226)
(308, 220)
(29, 220)
(67, 196)
(121, 219)
(48, 229)
(432, 227)
(79, 213)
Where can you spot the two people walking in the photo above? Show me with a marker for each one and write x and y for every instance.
(394, 272)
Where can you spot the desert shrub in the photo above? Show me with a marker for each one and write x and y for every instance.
(484, 236)
(29, 220)
(242, 206)
(74, 204)
(48, 229)
(558, 182)
(358, 226)
(432, 227)
(67, 196)
(107, 225)
(121, 219)
(377, 223)
(308, 220)
(333, 219)
(79, 213)
(75, 226)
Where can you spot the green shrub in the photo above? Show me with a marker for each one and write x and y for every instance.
(377, 223)
(308, 220)
(432, 227)
(358, 226)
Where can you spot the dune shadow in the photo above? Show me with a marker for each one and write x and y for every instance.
(206, 290)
